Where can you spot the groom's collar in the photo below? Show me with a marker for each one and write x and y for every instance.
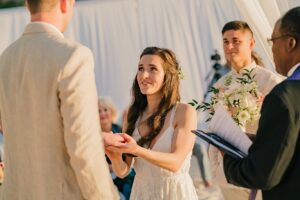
(40, 27)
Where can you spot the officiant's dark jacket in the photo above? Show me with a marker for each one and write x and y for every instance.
(273, 163)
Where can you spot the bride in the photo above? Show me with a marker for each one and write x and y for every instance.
(159, 132)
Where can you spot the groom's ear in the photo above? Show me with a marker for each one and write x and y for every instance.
(64, 5)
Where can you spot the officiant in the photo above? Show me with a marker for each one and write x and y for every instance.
(273, 160)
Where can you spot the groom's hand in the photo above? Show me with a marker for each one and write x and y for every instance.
(129, 146)
(111, 139)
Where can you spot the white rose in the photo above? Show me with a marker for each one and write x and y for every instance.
(243, 116)
(251, 101)
(235, 97)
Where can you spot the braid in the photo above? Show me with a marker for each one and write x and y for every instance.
(156, 123)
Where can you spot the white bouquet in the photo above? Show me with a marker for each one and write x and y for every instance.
(239, 96)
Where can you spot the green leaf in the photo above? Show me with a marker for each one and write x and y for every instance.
(213, 90)
(207, 104)
(191, 103)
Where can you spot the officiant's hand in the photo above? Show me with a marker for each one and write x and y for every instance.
(129, 146)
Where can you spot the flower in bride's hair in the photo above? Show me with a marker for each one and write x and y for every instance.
(180, 73)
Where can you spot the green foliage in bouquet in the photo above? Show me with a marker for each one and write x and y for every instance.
(239, 96)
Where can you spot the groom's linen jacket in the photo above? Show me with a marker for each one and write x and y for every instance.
(52, 137)
(273, 162)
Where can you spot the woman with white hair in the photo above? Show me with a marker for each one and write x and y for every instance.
(108, 115)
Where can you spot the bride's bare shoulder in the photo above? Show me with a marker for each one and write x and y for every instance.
(184, 109)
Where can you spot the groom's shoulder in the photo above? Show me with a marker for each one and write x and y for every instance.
(67, 45)
(63, 50)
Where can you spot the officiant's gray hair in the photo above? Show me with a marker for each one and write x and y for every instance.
(236, 25)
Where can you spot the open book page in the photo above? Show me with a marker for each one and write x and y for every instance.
(223, 125)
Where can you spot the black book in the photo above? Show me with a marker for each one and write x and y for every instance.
(220, 143)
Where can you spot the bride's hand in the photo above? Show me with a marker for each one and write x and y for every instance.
(112, 155)
(130, 146)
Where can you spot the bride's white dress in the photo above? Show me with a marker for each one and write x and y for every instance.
(154, 183)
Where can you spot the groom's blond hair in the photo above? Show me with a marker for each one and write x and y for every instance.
(36, 6)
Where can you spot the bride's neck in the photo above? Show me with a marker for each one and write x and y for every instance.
(153, 103)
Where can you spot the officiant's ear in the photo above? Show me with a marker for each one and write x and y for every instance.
(292, 43)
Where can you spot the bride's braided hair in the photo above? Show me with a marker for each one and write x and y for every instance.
(169, 92)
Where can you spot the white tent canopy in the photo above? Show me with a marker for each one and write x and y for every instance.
(118, 30)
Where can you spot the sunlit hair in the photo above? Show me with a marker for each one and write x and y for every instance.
(290, 23)
(36, 6)
(107, 102)
(257, 59)
(236, 25)
(169, 96)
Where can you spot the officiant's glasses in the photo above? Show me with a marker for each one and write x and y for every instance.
(272, 39)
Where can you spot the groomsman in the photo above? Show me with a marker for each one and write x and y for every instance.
(238, 44)
(274, 158)
(48, 103)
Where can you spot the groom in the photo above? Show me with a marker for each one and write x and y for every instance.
(48, 106)
(274, 158)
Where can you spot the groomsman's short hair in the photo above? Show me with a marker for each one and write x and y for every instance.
(290, 23)
(36, 6)
(236, 25)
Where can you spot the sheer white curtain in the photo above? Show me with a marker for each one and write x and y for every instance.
(273, 16)
(118, 30)
(262, 16)
(110, 28)
(286, 4)
(261, 24)
(12, 23)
